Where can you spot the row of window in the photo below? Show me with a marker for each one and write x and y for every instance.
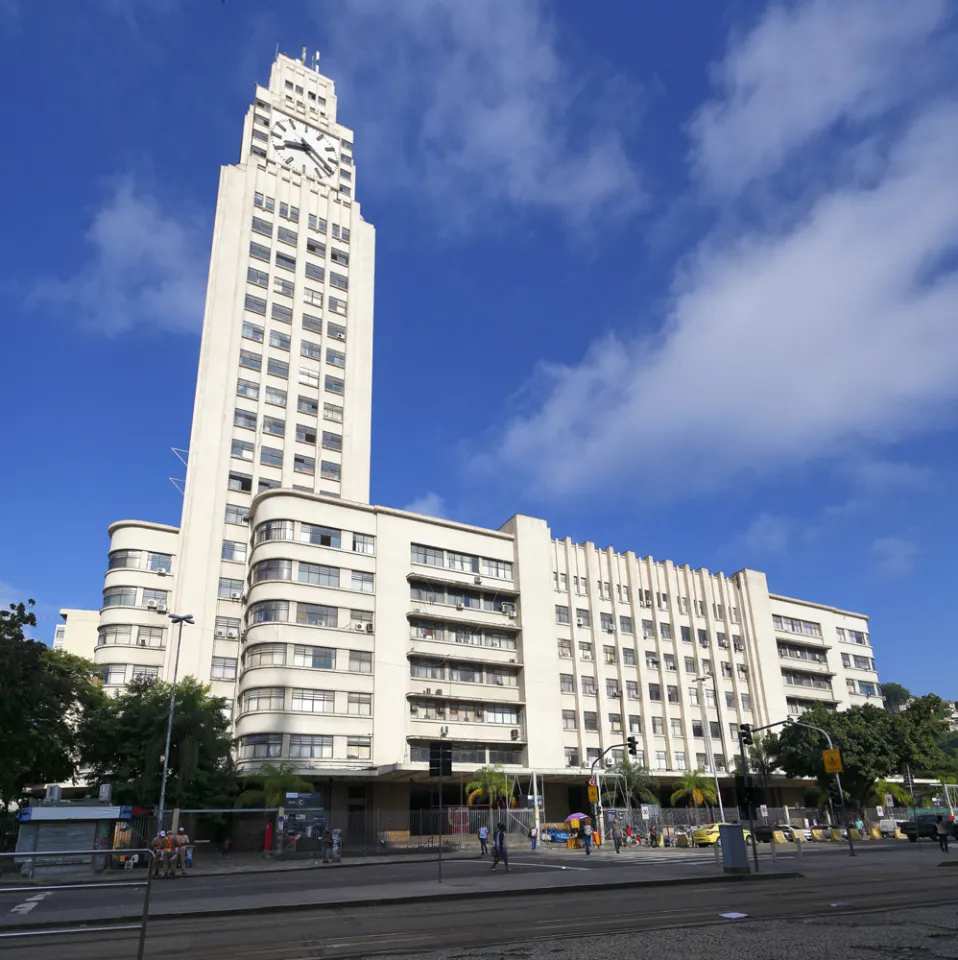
(316, 574)
(277, 397)
(645, 598)
(134, 597)
(131, 635)
(864, 687)
(273, 457)
(661, 759)
(465, 712)
(794, 679)
(286, 235)
(314, 534)
(139, 560)
(463, 673)
(460, 597)
(302, 655)
(590, 724)
(648, 628)
(307, 614)
(276, 427)
(284, 313)
(251, 360)
(859, 663)
(115, 674)
(474, 636)
(289, 212)
(302, 746)
(471, 753)
(852, 636)
(791, 651)
(466, 562)
(283, 341)
(300, 700)
(611, 655)
(614, 690)
(312, 271)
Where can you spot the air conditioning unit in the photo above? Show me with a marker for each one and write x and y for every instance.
(221, 633)
(340, 336)
(161, 608)
(150, 604)
(413, 708)
(232, 634)
(512, 660)
(499, 681)
(140, 643)
(477, 579)
(609, 762)
(236, 596)
(161, 572)
(369, 628)
(578, 621)
(460, 606)
(359, 626)
(438, 691)
(514, 733)
(610, 629)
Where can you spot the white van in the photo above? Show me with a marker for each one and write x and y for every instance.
(887, 827)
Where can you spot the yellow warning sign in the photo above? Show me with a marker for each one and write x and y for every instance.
(833, 761)
(593, 793)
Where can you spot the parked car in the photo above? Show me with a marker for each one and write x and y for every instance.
(555, 835)
(926, 827)
(887, 827)
(764, 831)
(709, 834)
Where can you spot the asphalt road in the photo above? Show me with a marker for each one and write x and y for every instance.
(437, 926)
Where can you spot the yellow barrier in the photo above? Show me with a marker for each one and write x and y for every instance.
(836, 834)
(818, 835)
(898, 834)
(874, 832)
(682, 840)
(778, 836)
(855, 834)
(660, 840)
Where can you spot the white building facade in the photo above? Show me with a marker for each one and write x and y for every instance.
(347, 637)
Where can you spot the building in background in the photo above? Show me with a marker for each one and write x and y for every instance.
(78, 632)
(347, 637)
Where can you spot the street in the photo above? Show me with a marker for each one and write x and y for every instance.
(344, 912)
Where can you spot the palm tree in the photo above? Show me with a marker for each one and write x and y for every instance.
(898, 791)
(489, 783)
(694, 788)
(634, 781)
(270, 784)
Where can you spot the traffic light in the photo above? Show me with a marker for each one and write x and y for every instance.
(745, 732)
(835, 794)
(633, 746)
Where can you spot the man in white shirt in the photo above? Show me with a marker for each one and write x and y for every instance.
(483, 840)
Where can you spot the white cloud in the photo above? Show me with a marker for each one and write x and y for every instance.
(894, 556)
(766, 534)
(430, 505)
(803, 69)
(795, 339)
(146, 269)
(472, 102)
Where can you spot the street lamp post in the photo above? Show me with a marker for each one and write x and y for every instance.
(179, 620)
(708, 738)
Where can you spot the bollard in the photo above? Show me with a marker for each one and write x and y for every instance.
(718, 854)
(798, 845)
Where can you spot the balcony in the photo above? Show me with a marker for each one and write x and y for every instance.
(460, 614)
(451, 651)
(798, 663)
(463, 578)
(492, 733)
(459, 691)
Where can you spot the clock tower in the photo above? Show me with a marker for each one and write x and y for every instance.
(283, 390)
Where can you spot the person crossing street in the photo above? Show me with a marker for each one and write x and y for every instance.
(483, 840)
(500, 850)
(617, 835)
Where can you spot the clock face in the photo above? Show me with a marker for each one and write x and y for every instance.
(299, 147)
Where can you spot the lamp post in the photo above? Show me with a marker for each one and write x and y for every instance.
(179, 620)
(708, 738)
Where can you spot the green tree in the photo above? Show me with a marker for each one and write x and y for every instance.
(270, 784)
(694, 788)
(489, 783)
(875, 744)
(898, 791)
(634, 781)
(124, 741)
(46, 697)
(895, 696)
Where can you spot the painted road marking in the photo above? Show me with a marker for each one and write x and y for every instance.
(30, 903)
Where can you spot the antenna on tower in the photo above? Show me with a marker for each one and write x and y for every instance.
(303, 56)
(316, 61)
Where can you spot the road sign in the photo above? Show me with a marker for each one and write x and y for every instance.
(645, 813)
(880, 811)
(763, 810)
(833, 761)
(593, 793)
(889, 800)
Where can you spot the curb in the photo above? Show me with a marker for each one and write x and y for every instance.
(421, 898)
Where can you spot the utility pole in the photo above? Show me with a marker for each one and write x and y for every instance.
(745, 737)
(708, 737)
(179, 620)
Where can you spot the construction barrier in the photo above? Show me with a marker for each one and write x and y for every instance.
(874, 832)
(778, 836)
(682, 840)
(818, 835)
(836, 834)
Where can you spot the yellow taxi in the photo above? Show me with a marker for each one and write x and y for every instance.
(709, 834)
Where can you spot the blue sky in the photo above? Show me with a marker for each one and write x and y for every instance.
(708, 247)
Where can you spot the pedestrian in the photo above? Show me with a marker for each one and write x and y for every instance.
(158, 845)
(617, 835)
(653, 839)
(587, 838)
(327, 845)
(499, 849)
(533, 836)
(182, 844)
(268, 839)
(942, 828)
(483, 840)
(167, 853)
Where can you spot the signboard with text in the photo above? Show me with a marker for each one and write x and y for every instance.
(646, 813)
(593, 793)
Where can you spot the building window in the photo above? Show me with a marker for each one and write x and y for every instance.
(360, 661)
(572, 756)
(672, 693)
(141, 672)
(746, 702)
(665, 631)
(246, 388)
(255, 304)
(312, 746)
(264, 698)
(236, 514)
(364, 543)
(337, 306)
(320, 536)
(625, 624)
(363, 582)
(279, 340)
(252, 331)
(318, 574)
(334, 385)
(284, 315)
(628, 657)
(277, 368)
(562, 614)
(250, 360)
(635, 723)
(285, 261)
(233, 550)
(223, 668)
(791, 625)
(307, 405)
(590, 721)
(260, 746)
(612, 689)
(648, 630)
(335, 358)
(259, 252)
(582, 618)
(360, 704)
(358, 748)
(313, 701)
(266, 655)
(230, 589)
(565, 648)
(569, 720)
(269, 611)
(588, 686)
(245, 419)
(303, 464)
(317, 658)
(658, 726)
(259, 278)
(329, 470)
(566, 683)
(272, 570)
(119, 597)
(632, 689)
(315, 272)
(271, 456)
(240, 481)
(655, 691)
(317, 615)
